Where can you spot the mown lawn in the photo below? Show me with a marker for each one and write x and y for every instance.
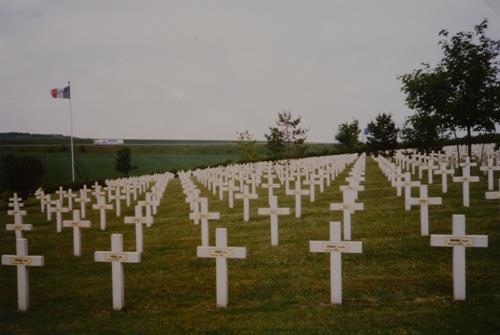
(399, 284)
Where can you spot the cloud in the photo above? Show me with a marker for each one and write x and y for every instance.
(203, 70)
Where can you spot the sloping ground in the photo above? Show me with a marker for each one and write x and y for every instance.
(399, 284)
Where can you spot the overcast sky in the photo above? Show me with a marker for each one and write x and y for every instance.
(206, 69)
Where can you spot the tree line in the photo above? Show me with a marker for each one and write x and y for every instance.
(460, 94)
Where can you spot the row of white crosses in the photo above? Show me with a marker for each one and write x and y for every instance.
(349, 206)
(221, 251)
(458, 239)
(22, 260)
(393, 172)
(466, 178)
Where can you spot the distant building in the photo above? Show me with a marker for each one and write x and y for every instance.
(108, 142)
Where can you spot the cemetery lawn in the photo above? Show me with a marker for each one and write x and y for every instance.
(399, 284)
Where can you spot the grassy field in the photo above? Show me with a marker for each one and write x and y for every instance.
(398, 285)
(98, 162)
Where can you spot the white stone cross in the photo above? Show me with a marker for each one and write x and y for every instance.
(204, 215)
(348, 207)
(148, 204)
(354, 188)
(59, 210)
(221, 252)
(444, 172)
(231, 188)
(273, 211)
(335, 246)
(493, 195)
(312, 190)
(70, 195)
(117, 197)
(22, 260)
(117, 257)
(83, 200)
(298, 192)
(424, 201)
(139, 220)
(40, 195)
(490, 168)
(270, 185)
(18, 214)
(18, 226)
(465, 179)
(246, 196)
(408, 184)
(76, 223)
(459, 241)
(102, 207)
(61, 192)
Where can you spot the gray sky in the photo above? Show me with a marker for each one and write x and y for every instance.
(206, 69)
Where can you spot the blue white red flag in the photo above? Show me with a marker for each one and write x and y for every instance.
(61, 93)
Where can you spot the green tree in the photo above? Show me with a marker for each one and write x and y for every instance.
(21, 174)
(246, 146)
(287, 137)
(348, 134)
(383, 133)
(123, 162)
(422, 131)
(463, 90)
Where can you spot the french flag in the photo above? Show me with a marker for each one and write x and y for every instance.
(61, 93)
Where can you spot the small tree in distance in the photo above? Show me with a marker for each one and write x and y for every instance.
(246, 146)
(286, 136)
(123, 163)
(383, 133)
(348, 134)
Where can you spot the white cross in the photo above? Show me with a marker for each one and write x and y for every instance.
(76, 223)
(61, 192)
(270, 185)
(273, 211)
(18, 214)
(117, 257)
(408, 184)
(204, 215)
(465, 180)
(59, 210)
(22, 260)
(117, 197)
(490, 168)
(231, 188)
(102, 207)
(444, 172)
(70, 195)
(40, 195)
(246, 196)
(459, 241)
(335, 246)
(348, 207)
(139, 220)
(18, 226)
(312, 190)
(148, 203)
(424, 201)
(221, 252)
(493, 195)
(83, 200)
(430, 168)
(298, 193)
(354, 188)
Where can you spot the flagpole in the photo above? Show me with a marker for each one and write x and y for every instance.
(71, 130)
